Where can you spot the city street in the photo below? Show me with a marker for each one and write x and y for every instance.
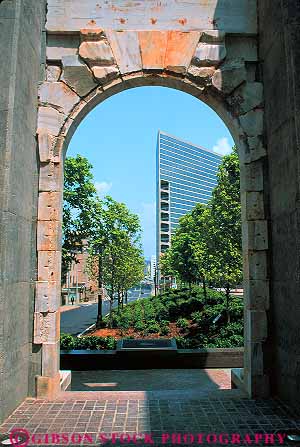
(77, 320)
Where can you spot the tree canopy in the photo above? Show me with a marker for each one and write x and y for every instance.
(78, 207)
(113, 233)
(207, 244)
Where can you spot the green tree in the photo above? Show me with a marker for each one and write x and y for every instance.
(224, 229)
(207, 244)
(114, 250)
(180, 259)
(200, 235)
(131, 271)
(78, 205)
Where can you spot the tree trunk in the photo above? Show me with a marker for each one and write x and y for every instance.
(227, 302)
(100, 287)
(99, 314)
(110, 311)
(126, 297)
(112, 294)
(204, 290)
(119, 300)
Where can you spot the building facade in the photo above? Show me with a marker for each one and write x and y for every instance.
(153, 267)
(186, 174)
(78, 286)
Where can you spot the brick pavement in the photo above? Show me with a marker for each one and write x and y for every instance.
(79, 413)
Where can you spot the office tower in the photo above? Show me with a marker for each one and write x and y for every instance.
(153, 266)
(186, 174)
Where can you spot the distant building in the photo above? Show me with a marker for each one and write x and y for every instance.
(152, 266)
(78, 287)
(147, 268)
(186, 174)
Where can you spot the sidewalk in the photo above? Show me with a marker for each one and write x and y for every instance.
(68, 307)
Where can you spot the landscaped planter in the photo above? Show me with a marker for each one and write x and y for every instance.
(80, 360)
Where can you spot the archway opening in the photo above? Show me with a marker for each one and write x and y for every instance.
(119, 138)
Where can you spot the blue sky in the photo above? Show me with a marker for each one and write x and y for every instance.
(119, 139)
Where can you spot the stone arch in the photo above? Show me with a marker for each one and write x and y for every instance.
(106, 62)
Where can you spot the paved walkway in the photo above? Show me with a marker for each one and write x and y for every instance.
(166, 416)
(152, 380)
(68, 307)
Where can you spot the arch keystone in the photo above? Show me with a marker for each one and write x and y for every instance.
(153, 45)
(180, 49)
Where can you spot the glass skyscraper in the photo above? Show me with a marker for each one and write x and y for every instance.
(186, 175)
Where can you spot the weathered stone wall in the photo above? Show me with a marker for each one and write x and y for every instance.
(21, 22)
(231, 16)
(279, 38)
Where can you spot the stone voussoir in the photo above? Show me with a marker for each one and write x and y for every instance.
(229, 76)
(58, 95)
(50, 120)
(252, 123)
(209, 55)
(126, 50)
(246, 97)
(47, 152)
(105, 74)
(256, 149)
(97, 53)
(91, 34)
(77, 75)
(212, 36)
(203, 75)
(53, 73)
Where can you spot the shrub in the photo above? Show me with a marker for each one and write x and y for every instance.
(140, 326)
(196, 317)
(68, 342)
(153, 328)
(164, 330)
(182, 323)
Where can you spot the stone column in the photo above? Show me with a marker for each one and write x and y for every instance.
(48, 286)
